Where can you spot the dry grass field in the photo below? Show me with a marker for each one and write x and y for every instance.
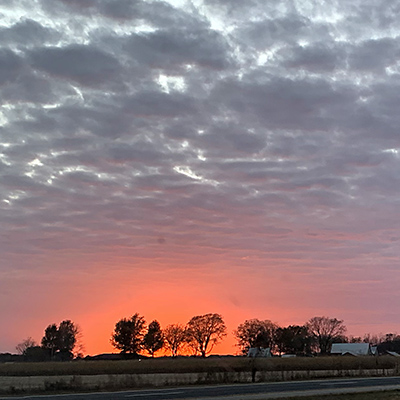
(18, 378)
(386, 395)
(189, 365)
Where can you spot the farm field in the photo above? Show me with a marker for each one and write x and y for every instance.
(192, 365)
(77, 376)
(385, 395)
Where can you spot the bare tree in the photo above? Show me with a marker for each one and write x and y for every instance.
(205, 331)
(255, 333)
(373, 339)
(326, 331)
(24, 345)
(175, 337)
(79, 349)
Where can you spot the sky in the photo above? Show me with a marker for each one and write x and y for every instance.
(179, 158)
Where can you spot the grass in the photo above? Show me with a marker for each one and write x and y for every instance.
(182, 365)
(385, 395)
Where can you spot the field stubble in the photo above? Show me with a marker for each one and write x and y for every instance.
(126, 374)
(189, 364)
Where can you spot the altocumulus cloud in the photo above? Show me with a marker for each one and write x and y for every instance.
(259, 135)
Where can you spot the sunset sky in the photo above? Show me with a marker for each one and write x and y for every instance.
(175, 158)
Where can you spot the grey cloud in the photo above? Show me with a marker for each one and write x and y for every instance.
(285, 126)
(267, 33)
(71, 144)
(174, 48)
(180, 131)
(251, 9)
(375, 55)
(230, 139)
(122, 9)
(156, 13)
(22, 183)
(10, 66)
(28, 33)
(137, 152)
(284, 103)
(103, 120)
(317, 57)
(83, 64)
(62, 8)
(29, 88)
(159, 104)
(371, 15)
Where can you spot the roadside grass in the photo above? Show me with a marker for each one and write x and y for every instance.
(189, 364)
(384, 395)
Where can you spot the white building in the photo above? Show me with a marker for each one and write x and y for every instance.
(354, 349)
(259, 352)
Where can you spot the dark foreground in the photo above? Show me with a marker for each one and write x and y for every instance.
(239, 392)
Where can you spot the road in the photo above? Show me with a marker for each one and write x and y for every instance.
(257, 391)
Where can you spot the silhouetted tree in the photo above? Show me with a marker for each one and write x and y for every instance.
(326, 331)
(67, 336)
(79, 349)
(60, 340)
(353, 339)
(373, 339)
(154, 338)
(24, 345)
(50, 339)
(390, 343)
(255, 333)
(36, 354)
(204, 332)
(128, 334)
(175, 337)
(294, 339)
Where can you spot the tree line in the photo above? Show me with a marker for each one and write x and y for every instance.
(199, 336)
(59, 342)
(133, 337)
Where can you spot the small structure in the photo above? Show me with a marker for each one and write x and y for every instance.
(256, 352)
(392, 353)
(353, 349)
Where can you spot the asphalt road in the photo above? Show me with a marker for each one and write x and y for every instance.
(237, 392)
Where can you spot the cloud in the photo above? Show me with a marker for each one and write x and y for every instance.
(258, 139)
(10, 66)
(175, 48)
(85, 65)
(16, 34)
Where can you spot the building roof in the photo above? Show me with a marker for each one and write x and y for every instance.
(393, 353)
(259, 352)
(356, 349)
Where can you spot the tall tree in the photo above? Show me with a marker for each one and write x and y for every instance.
(175, 337)
(205, 331)
(294, 339)
(326, 331)
(128, 334)
(60, 340)
(67, 336)
(255, 333)
(154, 338)
(390, 343)
(50, 339)
(24, 345)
